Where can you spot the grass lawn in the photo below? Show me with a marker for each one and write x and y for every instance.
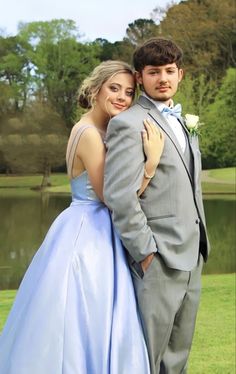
(23, 185)
(213, 350)
(6, 300)
(223, 181)
(218, 188)
(60, 183)
(29, 181)
(226, 174)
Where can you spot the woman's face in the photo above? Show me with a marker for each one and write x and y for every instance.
(116, 94)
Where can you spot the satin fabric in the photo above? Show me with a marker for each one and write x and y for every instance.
(75, 311)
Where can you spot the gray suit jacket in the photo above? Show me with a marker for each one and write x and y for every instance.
(169, 216)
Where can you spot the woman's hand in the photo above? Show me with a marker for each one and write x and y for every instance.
(153, 144)
(147, 262)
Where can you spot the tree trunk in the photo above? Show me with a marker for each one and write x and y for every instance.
(46, 176)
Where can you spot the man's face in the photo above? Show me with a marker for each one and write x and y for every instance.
(160, 82)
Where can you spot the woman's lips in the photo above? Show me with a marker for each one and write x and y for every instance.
(119, 106)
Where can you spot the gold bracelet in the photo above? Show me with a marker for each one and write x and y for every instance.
(147, 176)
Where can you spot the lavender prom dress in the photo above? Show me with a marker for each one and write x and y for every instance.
(75, 311)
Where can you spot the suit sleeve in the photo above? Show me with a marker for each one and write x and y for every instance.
(124, 169)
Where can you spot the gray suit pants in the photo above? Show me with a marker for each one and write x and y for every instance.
(168, 301)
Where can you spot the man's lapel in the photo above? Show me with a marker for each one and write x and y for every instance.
(161, 121)
(194, 149)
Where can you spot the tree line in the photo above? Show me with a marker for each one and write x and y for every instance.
(42, 67)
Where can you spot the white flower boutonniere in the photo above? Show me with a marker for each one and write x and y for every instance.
(192, 124)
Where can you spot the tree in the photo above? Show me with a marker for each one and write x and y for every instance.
(105, 49)
(14, 73)
(185, 95)
(59, 62)
(140, 30)
(159, 13)
(195, 93)
(206, 32)
(35, 141)
(219, 131)
(123, 51)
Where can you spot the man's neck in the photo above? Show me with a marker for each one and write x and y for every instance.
(168, 103)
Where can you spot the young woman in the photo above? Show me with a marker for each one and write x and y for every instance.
(75, 311)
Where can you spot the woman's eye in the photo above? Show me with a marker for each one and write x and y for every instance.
(130, 93)
(114, 88)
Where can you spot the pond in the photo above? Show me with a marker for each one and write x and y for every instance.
(25, 221)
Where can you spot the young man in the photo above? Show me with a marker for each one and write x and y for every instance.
(164, 230)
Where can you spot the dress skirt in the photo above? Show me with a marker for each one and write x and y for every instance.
(75, 311)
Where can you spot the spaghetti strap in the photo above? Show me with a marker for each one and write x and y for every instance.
(70, 154)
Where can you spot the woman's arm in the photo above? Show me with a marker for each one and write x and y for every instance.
(90, 156)
(153, 144)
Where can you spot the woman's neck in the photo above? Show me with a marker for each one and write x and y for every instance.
(97, 119)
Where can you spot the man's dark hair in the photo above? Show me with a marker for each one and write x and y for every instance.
(157, 52)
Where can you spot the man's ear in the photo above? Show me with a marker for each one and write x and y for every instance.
(138, 77)
(181, 74)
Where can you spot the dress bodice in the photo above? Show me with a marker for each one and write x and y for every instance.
(82, 189)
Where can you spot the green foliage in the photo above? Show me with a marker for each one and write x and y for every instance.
(219, 132)
(60, 63)
(195, 93)
(185, 96)
(105, 49)
(7, 96)
(14, 73)
(140, 30)
(46, 62)
(49, 31)
(214, 103)
(136, 33)
(35, 141)
(206, 32)
(123, 51)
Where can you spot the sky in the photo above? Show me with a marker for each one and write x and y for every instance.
(106, 19)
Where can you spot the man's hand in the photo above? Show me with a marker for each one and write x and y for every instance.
(146, 262)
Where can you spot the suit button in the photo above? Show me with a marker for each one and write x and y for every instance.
(197, 221)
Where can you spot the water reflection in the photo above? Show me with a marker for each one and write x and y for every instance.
(221, 223)
(25, 221)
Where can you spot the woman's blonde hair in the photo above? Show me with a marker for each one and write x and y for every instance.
(93, 83)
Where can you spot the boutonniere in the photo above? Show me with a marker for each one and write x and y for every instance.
(192, 123)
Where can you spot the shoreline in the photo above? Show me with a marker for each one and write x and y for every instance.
(214, 182)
